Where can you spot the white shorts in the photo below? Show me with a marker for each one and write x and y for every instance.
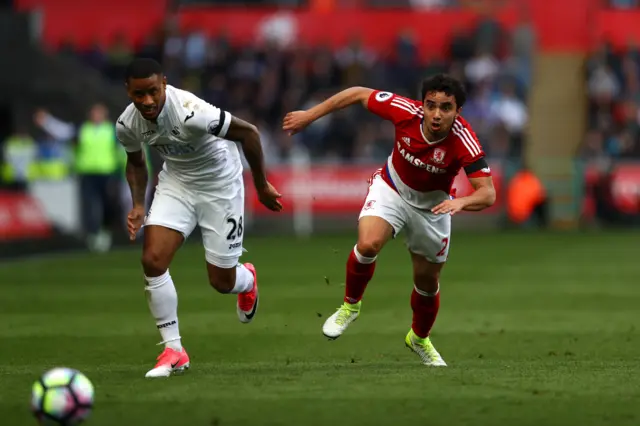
(219, 213)
(427, 234)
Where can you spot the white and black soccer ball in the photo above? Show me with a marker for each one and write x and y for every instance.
(62, 396)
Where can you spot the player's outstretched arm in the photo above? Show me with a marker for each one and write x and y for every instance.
(298, 120)
(136, 172)
(137, 177)
(248, 136)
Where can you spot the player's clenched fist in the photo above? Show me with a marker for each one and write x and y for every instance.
(268, 196)
(134, 221)
(296, 121)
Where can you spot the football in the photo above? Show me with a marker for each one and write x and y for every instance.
(62, 396)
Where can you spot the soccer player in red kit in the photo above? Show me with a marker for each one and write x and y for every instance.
(412, 192)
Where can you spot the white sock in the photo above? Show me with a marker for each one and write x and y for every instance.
(244, 280)
(425, 294)
(363, 259)
(163, 304)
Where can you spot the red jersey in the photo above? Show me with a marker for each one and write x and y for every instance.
(422, 171)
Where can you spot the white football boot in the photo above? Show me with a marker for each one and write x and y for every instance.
(337, 323)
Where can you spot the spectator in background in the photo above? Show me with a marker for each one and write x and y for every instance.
(173, 51)
(603, 84)
(119, 55)
(502, 146)
(623, 4)
(478, 111)
(527, 199)
(602, 191)
(152, 47)
(405, 67)
(508, 109)
(54, 128)
(98, 164)
(461, 46)
(20, 154)
(281, 28)
(593, 146)
(522, 49)
(511, 113)
(355, 61)
(429, 4)
(94, 56)
(482, 67)
(55, 145)
(415, 4)
(195, 51)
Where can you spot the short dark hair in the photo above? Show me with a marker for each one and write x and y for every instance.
(142, 68)
(447, 84)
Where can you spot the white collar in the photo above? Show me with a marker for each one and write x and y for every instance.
(425, 138)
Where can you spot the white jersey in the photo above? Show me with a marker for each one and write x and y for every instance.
(189, 136)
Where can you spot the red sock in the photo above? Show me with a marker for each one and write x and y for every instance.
(358, 276)
(425, 311)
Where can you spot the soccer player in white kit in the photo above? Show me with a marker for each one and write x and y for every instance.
(200, 184)
(412, 192)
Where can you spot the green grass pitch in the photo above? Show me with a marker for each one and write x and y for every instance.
(537, 328)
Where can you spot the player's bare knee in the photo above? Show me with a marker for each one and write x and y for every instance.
(427, 281)
(153, 263)
(370, 247)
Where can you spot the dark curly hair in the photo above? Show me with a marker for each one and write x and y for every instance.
(142, 68)
(447, 84)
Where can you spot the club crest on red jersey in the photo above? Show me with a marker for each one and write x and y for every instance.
(438, 155)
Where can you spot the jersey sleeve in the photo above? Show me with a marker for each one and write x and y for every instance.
(207, 119)
(479, 168)
(473, 157)
(126, 137)
(392, 107)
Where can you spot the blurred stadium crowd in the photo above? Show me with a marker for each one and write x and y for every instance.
(613, 78)
(261, 83)
(614, 107)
